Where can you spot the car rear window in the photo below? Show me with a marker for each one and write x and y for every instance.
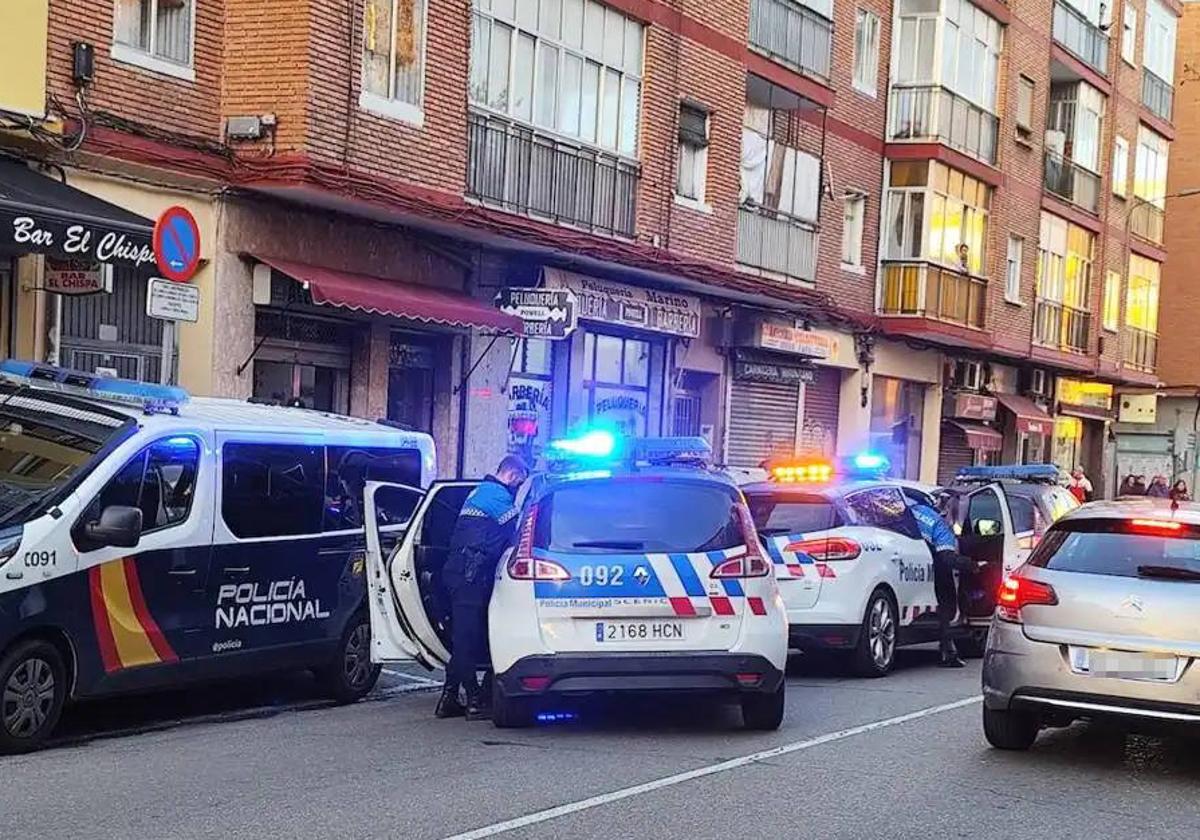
(1024, 513)
(1122, 548)
(639, 516)
(793, 514)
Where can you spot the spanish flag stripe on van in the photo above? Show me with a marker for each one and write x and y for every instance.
(126, 632)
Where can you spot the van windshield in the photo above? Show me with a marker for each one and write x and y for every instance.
(45, 443)
(639, 516)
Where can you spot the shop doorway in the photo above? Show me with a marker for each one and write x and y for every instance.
(302, 385)
(411, 363)
(616, 379)
(111, 334)
(897, 415)
(302, 361)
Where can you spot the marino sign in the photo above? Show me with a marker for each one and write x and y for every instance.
(630, 306)
(70, 240)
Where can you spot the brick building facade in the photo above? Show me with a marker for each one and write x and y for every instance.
(859, 224)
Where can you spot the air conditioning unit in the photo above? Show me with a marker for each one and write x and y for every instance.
(1036, 383)
(967, 376)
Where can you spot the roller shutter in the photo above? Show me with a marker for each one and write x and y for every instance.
(762, 421)
(953, 454)
(822, 404)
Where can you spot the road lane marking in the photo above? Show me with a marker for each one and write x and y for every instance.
(701, 772)
(413, 678)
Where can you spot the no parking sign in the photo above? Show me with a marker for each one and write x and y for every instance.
(177, 244)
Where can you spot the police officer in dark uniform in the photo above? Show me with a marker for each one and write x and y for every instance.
(943, 544)
(483, 531)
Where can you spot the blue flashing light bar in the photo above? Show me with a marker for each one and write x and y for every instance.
(597, 443)
(595, 448)
(1021, 472)
(871, 462)
(152, 398)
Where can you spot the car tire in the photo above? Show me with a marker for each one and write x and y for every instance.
(351, 676)
(972, 645)
(875, 654)
(511, 712)
(33, 690)
(764, 712)
(1010, 729)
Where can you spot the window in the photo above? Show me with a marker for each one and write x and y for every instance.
(1024, 514)
(775, 172)
(1025, 90)
(1073, 126)
(1064, 263)
(984, 517)
(1158, 52)
(1112, 301)
(1129, 33)
(775, 515)
(1141, 301)
(1150, 167)
(570, 66)
(884, 508)
(1012, 275)
(866, 52)
(1120, 166)
(160, 481)
(855, 206)
(272, 490)
(156, 34)
(970, 49)
(1109, 547)
(693, 152)
(616, 374)
(394, 57)
(349, 468)
(936, 213)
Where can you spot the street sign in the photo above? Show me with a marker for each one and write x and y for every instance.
(177, 244)
(76, 277)
(546, 313)
(172, 301)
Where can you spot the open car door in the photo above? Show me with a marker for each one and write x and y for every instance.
(409, 608)
(987, 537)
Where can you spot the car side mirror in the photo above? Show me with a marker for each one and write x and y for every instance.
(119, 526)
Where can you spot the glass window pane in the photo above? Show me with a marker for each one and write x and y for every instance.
(481, 33)
(637, 363)
(377, 46)
(522, 84)
(589, 101)
(547, 86)
(593, 29)
(630, 90)
(409, 43)
(506, 9)
(614, 38)
(610, 109)
(537, 355)
(272, 489)
(633, 47)
(589, 355)
(906, 68)
(569, 94)
(527, 15)
(133, 21)
(925, 48)
(498, 67)
(916, 224)
(608, 359)
(550, 18)
(572, 33)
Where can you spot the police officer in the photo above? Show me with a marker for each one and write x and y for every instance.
(943, 544)
(483, 531)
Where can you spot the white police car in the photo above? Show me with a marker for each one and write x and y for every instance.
(635, 573)
(855, 575)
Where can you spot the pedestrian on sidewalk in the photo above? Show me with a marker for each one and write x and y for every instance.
(1080, 487)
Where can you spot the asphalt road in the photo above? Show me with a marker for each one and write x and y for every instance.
(902, 757)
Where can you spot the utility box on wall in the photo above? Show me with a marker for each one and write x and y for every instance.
(23, 57)
(1137, 408)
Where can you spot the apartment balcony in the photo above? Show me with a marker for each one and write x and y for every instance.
(1157, 95)
(1081, 37)
(930, 291)
(777, 242)
(936, 115)
(1070, 181)
(534, 173)
(1147, 221)
(792, 34)
(1141, 349)
(1061, 327)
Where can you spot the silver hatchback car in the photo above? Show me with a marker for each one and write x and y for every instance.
(1100, 622)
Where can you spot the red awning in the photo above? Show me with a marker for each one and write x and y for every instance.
(979, 437)
(1031, 420)
(381, 296)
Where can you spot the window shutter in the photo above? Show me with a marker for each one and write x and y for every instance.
(693, 124)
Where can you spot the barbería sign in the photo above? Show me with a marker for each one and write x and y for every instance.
(75, 241)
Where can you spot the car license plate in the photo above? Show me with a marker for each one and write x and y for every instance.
(1124, 665)
(638, 631)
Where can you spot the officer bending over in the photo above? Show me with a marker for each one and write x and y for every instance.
(484, 529)
(943, 544)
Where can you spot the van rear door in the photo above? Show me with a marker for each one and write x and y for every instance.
(987, 537)
(407, 604)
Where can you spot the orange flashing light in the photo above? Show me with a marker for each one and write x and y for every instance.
(808, 471)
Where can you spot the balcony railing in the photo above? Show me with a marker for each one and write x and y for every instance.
(1062, 327)
(1080, 36)
(1157, 95)
(774, 241)
(793, 34)
(527, 171)
(1141, 349)
(934, 114)
(1067, 179)
(930, 291)
(1147, 220)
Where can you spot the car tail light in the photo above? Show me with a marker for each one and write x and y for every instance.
(749, 680)
(1155, 526)
(539, 682)
(1017, 592)
(827, 549)
(750, 564)
(524, 566)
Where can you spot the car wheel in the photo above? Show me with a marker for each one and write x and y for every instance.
(511, 712)
(352, 676)
(972, 645)
(33, 689)
(876, 651)
(1009, 729)
(764, 712)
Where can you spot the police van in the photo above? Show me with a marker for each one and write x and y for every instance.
(631, 571)
(148, 540)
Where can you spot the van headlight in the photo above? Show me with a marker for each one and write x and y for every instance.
(8, 547)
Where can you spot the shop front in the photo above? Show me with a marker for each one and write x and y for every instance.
(969, 437)
(1084, 410)
(780, 403)
(898, 423)
(1027, 430)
